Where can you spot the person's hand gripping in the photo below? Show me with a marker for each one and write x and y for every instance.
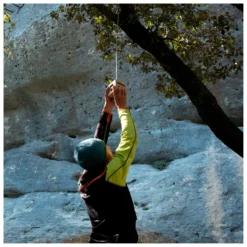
(120, 97)
(109, 102)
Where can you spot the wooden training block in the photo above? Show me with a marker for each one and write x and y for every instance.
(117, 84)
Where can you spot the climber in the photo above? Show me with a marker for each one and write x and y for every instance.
(102, 185)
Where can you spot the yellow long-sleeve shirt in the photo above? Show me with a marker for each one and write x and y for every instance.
(118, 167)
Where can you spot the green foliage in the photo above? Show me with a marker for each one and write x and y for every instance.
(8, 27)
(108, 80)
(203, 40)
(54, 15)
(6, 18)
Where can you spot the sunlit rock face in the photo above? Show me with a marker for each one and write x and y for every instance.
(54, 94)
(195, 199)
(55, 83)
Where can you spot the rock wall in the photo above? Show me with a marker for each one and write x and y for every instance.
(196, 199)
(53, 97)
(55, 83)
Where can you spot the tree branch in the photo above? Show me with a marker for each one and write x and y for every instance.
(184, 43)
(19, 7)
(5, 9)
(107, 12)
(206, 104)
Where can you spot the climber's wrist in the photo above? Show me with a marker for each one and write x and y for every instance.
(107, 108)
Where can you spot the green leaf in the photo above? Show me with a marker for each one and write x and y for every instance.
(99, 19)
(129, 58)
(232, 40)
(176, 46)
(61, 8)
(54, 15)
(149, 24)
(6, 18)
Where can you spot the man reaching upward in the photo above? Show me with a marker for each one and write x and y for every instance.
(103, 183)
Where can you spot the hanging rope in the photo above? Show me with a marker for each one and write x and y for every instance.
(117, 45)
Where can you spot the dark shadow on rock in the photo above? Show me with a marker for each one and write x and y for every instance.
(12, 193)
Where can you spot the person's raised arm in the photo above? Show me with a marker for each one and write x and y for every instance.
(117, 169)
(103, 126)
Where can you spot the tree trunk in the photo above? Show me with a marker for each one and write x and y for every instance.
(205, 103)
(239, 7)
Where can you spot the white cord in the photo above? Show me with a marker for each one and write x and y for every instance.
(117, 44)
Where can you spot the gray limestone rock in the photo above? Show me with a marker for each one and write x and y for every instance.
(44, 217)
(197, 199)
(55, 84)
(172, 140)
(46, 165)
(27, 171)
